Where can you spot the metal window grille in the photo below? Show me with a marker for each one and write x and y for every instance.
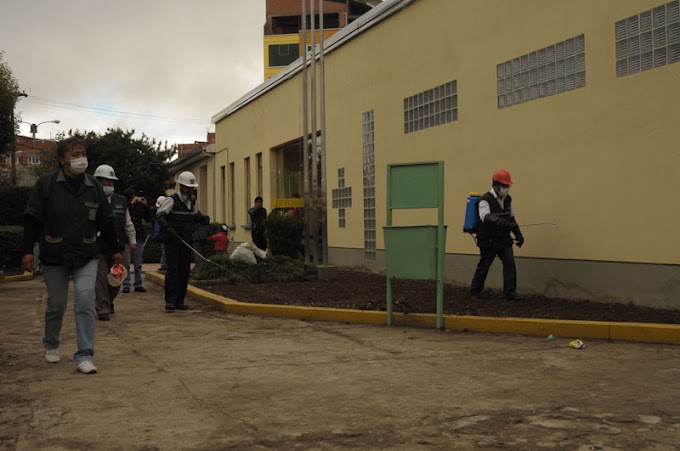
(368, 140)
(648, 40)
(546, 72)
(431, 108)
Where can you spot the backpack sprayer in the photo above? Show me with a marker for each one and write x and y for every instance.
(199, 254)
(472, 220)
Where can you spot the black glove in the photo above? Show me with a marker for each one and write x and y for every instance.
(206, 220)
(519, 238)
(498, 221)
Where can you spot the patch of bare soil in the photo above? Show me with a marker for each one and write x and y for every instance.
(365, 291)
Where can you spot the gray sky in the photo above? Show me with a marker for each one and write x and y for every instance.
(160, 67)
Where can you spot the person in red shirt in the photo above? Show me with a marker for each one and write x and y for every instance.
(221, 240)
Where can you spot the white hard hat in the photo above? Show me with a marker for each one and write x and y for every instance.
(105, 171)
(188, 179)
(160, 201)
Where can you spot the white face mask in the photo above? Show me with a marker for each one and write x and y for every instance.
(188, 197)
(78, 165)
(503, 192)
(108, 190)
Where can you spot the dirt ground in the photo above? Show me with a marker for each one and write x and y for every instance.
(207, 380)
(364, 291)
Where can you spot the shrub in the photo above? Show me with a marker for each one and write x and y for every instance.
(152, 250)
(10, 247)
(13, 200)
(284, 234)
(276, 269)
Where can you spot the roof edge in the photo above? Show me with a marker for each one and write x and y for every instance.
(362, 24)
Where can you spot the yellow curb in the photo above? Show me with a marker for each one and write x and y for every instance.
(599, 330)
(19, 278)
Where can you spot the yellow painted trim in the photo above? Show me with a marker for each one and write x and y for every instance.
(288, 202)
(20, 278)
(596, 330)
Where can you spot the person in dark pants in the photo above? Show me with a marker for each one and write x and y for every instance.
(178, 218)
(257, 216)
(139, 211)
(493, 238)
(125, 232)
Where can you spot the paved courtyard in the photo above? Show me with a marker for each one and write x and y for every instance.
(207, 380)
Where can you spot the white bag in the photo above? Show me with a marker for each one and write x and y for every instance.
(256, 250)
(244, 254)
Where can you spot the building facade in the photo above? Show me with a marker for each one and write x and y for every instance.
(26, 156)
(283, 38)
(576, 99)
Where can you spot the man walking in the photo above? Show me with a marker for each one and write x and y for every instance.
(125, 231)
(497, 220)
(178, 218)
(139, 211)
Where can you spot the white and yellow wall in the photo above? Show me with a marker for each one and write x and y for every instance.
(601, 161)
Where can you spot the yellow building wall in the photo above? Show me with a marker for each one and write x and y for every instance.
(258, 127)
(600, 160)
(279, 39)
(276, 39)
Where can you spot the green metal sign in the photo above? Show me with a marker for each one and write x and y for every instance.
(415, 252)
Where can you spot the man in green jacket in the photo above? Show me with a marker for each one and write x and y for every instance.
(66, 210)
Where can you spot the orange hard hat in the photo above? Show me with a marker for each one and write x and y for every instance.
(502, 176)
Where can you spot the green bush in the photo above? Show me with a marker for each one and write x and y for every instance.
(10, 247)
(275, 269)
(284, 234)
(13, 202)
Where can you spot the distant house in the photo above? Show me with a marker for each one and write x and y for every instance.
(27, 155)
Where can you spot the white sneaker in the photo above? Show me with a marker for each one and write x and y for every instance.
(52, 355)
(87, 367)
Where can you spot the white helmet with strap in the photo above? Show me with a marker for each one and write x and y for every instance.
(160, 201)
(105, 171)
(188, 179)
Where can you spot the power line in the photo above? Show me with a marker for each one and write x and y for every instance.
(75, 106)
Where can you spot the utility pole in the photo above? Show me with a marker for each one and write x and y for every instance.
(13, 145)
(305, 132)
(322, 106)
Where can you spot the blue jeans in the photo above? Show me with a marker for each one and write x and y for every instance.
(137, 263)
(57, 281)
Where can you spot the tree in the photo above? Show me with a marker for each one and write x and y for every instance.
(140, 163)
(9, 93)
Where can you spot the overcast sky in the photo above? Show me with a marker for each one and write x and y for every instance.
(160, 67)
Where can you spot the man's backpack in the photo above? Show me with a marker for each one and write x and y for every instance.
(472, 221)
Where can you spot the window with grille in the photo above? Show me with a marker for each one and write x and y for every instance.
(546, 72)
(342, 197)
(369, 185)
(648, 40)
(283, 54)
(436, 106)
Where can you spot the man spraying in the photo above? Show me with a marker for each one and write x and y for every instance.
(493, 238)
